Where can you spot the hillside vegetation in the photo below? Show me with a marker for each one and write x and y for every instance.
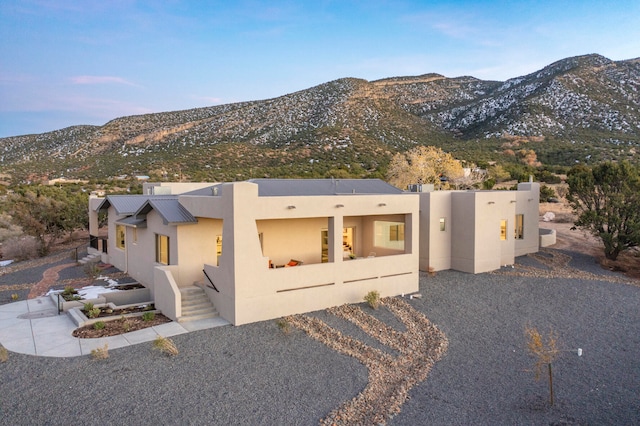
(578, 110)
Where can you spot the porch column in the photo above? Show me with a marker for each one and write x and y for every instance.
(336, 223)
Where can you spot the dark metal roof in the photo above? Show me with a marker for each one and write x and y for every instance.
(171, 211)
(127, 204)
(301, 187)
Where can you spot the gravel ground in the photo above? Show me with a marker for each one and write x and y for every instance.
(255, 374)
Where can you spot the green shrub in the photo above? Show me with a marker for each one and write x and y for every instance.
(546, 193)
(87, 307)
(93, 313)
(14, 296)
(148, 316)
(99, 325)
(68, 290)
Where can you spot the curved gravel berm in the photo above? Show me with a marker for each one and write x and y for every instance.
(255, 374)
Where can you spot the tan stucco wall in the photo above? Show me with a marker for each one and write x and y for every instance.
(174, 188)
(435, 245)
(476, 244)
(199, 248)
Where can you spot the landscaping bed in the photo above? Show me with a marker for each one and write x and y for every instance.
(112, 322)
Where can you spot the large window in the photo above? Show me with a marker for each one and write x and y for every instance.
(389, 234)
(519, 227)
(162, 249)
(120, 236)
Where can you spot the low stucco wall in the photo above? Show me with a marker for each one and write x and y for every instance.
(547, 237)
(167, 297)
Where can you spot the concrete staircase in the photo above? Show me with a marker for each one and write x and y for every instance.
(196, 305)
(90, 258)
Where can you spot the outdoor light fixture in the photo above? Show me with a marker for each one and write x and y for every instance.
(491, 202)
(382, 204)
(339, 205)
(291, 207)
(512, 201)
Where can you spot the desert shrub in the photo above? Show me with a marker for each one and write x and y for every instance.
(284, 325)
(148, 316)
(100, 353)
(92, 270)
(87, 306)
(545, 352)
(4, 354)
(165, 345)
(126, 325)
(21, 248)
(14, 296)
(99, 325)
(93, 313)
(8, 229)
(68, 290)
(373, 299)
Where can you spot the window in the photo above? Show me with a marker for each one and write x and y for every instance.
(396, 232)
(503, 229)
(218, 249)
(348, 239)
(120, 236)
(324, 243)
(162, 249)
(519, 227)
(442, 224)
(135, 235)
(389, 234)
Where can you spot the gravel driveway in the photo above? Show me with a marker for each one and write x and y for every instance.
(254, 374)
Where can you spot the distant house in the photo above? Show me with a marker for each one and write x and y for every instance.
(267, 248)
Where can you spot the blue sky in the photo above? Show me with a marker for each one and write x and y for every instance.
(65, 63)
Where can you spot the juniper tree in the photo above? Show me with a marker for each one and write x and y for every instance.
(606, 199)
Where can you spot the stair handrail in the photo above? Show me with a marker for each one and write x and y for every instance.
(213, 286)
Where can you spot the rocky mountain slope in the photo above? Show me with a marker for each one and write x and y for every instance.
(579, 109)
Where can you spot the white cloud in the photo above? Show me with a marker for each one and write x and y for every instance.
(100, 79)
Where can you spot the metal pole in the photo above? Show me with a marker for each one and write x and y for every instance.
(550, 385)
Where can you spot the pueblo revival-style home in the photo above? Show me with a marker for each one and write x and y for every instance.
(266, 248)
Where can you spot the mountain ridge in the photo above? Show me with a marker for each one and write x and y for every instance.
(580, 106)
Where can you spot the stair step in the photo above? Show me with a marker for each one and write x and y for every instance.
(199, 304)
(197, 317)
(89, 259)
(197, 311)
(196, 305)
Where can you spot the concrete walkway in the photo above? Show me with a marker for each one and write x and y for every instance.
(33, 327)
